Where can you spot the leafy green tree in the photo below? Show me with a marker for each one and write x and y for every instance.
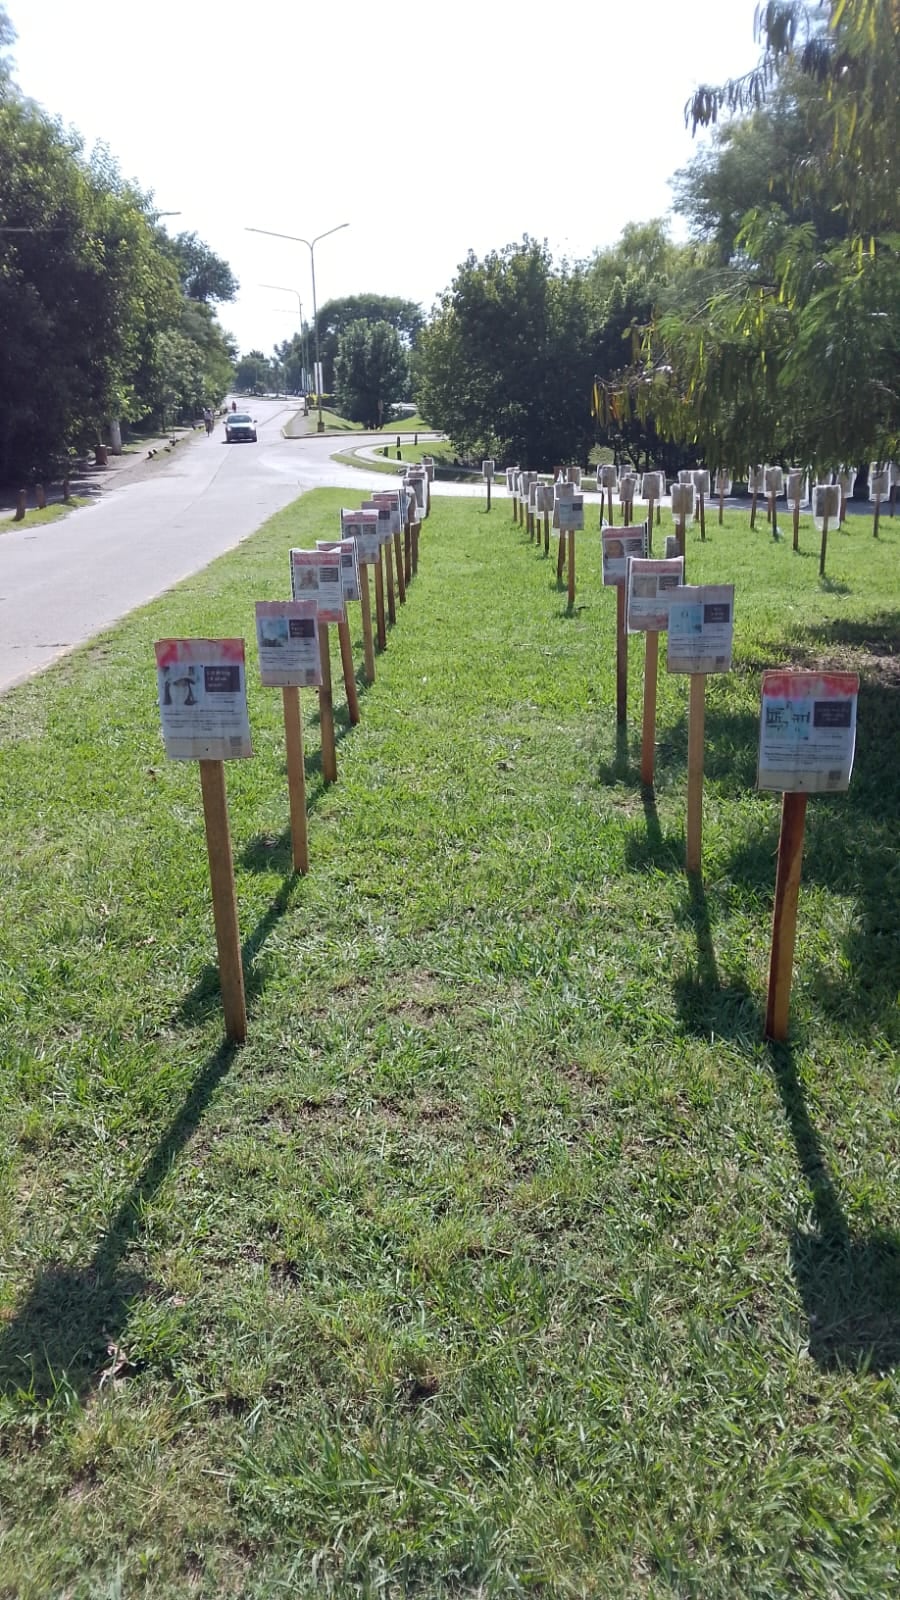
(336, 315)
(203, 275)
(253, 373)
(371, 371)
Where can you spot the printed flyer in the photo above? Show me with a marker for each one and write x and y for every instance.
(385, 521)
(701, 628)
(619, 545)
(362, 526)
(316, 574)
(807, 731)
(648, 589)
(390, 501)
(203, 699)
(287, 634)
(571, 514)
(346, 549)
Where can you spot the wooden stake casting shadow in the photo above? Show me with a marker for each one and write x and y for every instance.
(571, 545)
(621, 656)
(365, 602)
(326, 709)
(349, 670)
(700, 497)
(784, 916)
(401, 576)
(379, 604)
(293, 744)
(824, 547)
(648, 724)
(407, 551)
(415, 547)
(488, 494)
(224, 899)
(389, 580)
(796, 517)
(697, 718)
(546, 533)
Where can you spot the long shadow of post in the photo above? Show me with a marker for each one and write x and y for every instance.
(850, 1285)
(73, 1315)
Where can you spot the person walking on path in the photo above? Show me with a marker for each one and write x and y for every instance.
(208, 419)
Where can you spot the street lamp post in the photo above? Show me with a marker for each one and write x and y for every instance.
(304, 352)
(311, 247)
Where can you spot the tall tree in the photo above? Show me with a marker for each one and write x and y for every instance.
(336, 315)
(370, 371)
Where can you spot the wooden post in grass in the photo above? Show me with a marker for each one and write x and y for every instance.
(697, 718)
(826, 502)
(389, 579)
(224, 899)
(571, 543)
(546, 526)
(879, 488)
(648, 723)
(560, 555)
(487, 472)
(401, 576)
(621, 657)
(326, 709)
(365, 605)
(296, 776)
(407, 548)
(723, 487)
(380, 625)
(701, 490)
(756, 482)
(682, 506)
(40, 495)
(21, 503)
(653, 486)
(784, 915)
(349, 670)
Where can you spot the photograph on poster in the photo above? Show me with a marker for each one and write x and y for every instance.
(807, 731)
(701, 628)
(287, 637)
(618, 545)
(203, 699)
(648, 587)
(362, 527)
(313, 572)
(346, 549)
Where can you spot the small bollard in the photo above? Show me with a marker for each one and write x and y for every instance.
(21, 499)
(40, 497)
(399, 454)
(415, 438)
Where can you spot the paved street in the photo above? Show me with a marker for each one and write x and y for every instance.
(63, 582)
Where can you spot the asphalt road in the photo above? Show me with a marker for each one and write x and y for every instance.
(62, 583)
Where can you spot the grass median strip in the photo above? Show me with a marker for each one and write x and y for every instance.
(505, 1256)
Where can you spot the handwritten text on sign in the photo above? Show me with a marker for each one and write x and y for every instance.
(701, 628)
(807, 731)
(287, 635)
(203, 699)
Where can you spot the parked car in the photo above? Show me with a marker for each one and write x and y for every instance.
(240, 425)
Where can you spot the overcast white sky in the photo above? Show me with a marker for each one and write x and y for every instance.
(431, 129)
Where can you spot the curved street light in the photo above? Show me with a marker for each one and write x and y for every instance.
(311, 247)
(284, 288)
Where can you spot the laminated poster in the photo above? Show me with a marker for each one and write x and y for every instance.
(362, 527)
(316, 575)
(287, 634)
(571, 513)
(807, 731)
(701, 628)
(346, 550)
(618, 546)
(203, 699)
(390, 501)
(648, 589)
(385, 520)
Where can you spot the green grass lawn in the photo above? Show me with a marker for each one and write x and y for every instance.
(505, 1258)
(414, 423)
(51, 513)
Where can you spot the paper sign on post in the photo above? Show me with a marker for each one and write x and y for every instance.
(203, 699)
(390, 502)
(287, 633)
(487, 469)
(362, 527)
(618, 544)
(571, 514)
(701, 628)
(648, 587)
(383, 512)
(346, 549)
(807, 731)
(316, 575)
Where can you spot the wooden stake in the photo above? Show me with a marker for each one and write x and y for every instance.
(379, 604)
(571, 567)
(681, 537)
(702, 518)
(415, 547)
(349, 670)
(784, 915)
(389, 580)
(560, 556)
(773, 517)
(648, 725)
(515, 501)
(293, 744)
(366, 608)
(546, 533)
(697, 718)
(224, 899)
(753, 510)
(650, 526)
(877, 516)
(721, 504)
(621, 656)
(489, 494)
(824, 545)
(407, 550)
(796, 524)
(610, 517)
(398, 559)
(326, 709)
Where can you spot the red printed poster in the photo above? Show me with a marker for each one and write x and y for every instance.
(807, 731)
(203, 699)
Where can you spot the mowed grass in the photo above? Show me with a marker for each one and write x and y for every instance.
(505, 1258)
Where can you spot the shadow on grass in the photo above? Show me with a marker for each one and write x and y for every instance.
(205, 995)
(63, 1334)
(624, 767)
(710, 1005)
(850, 1284)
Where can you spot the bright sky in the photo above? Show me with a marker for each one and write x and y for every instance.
(431, 129)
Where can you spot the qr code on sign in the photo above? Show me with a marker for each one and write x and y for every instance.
(834, 775)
